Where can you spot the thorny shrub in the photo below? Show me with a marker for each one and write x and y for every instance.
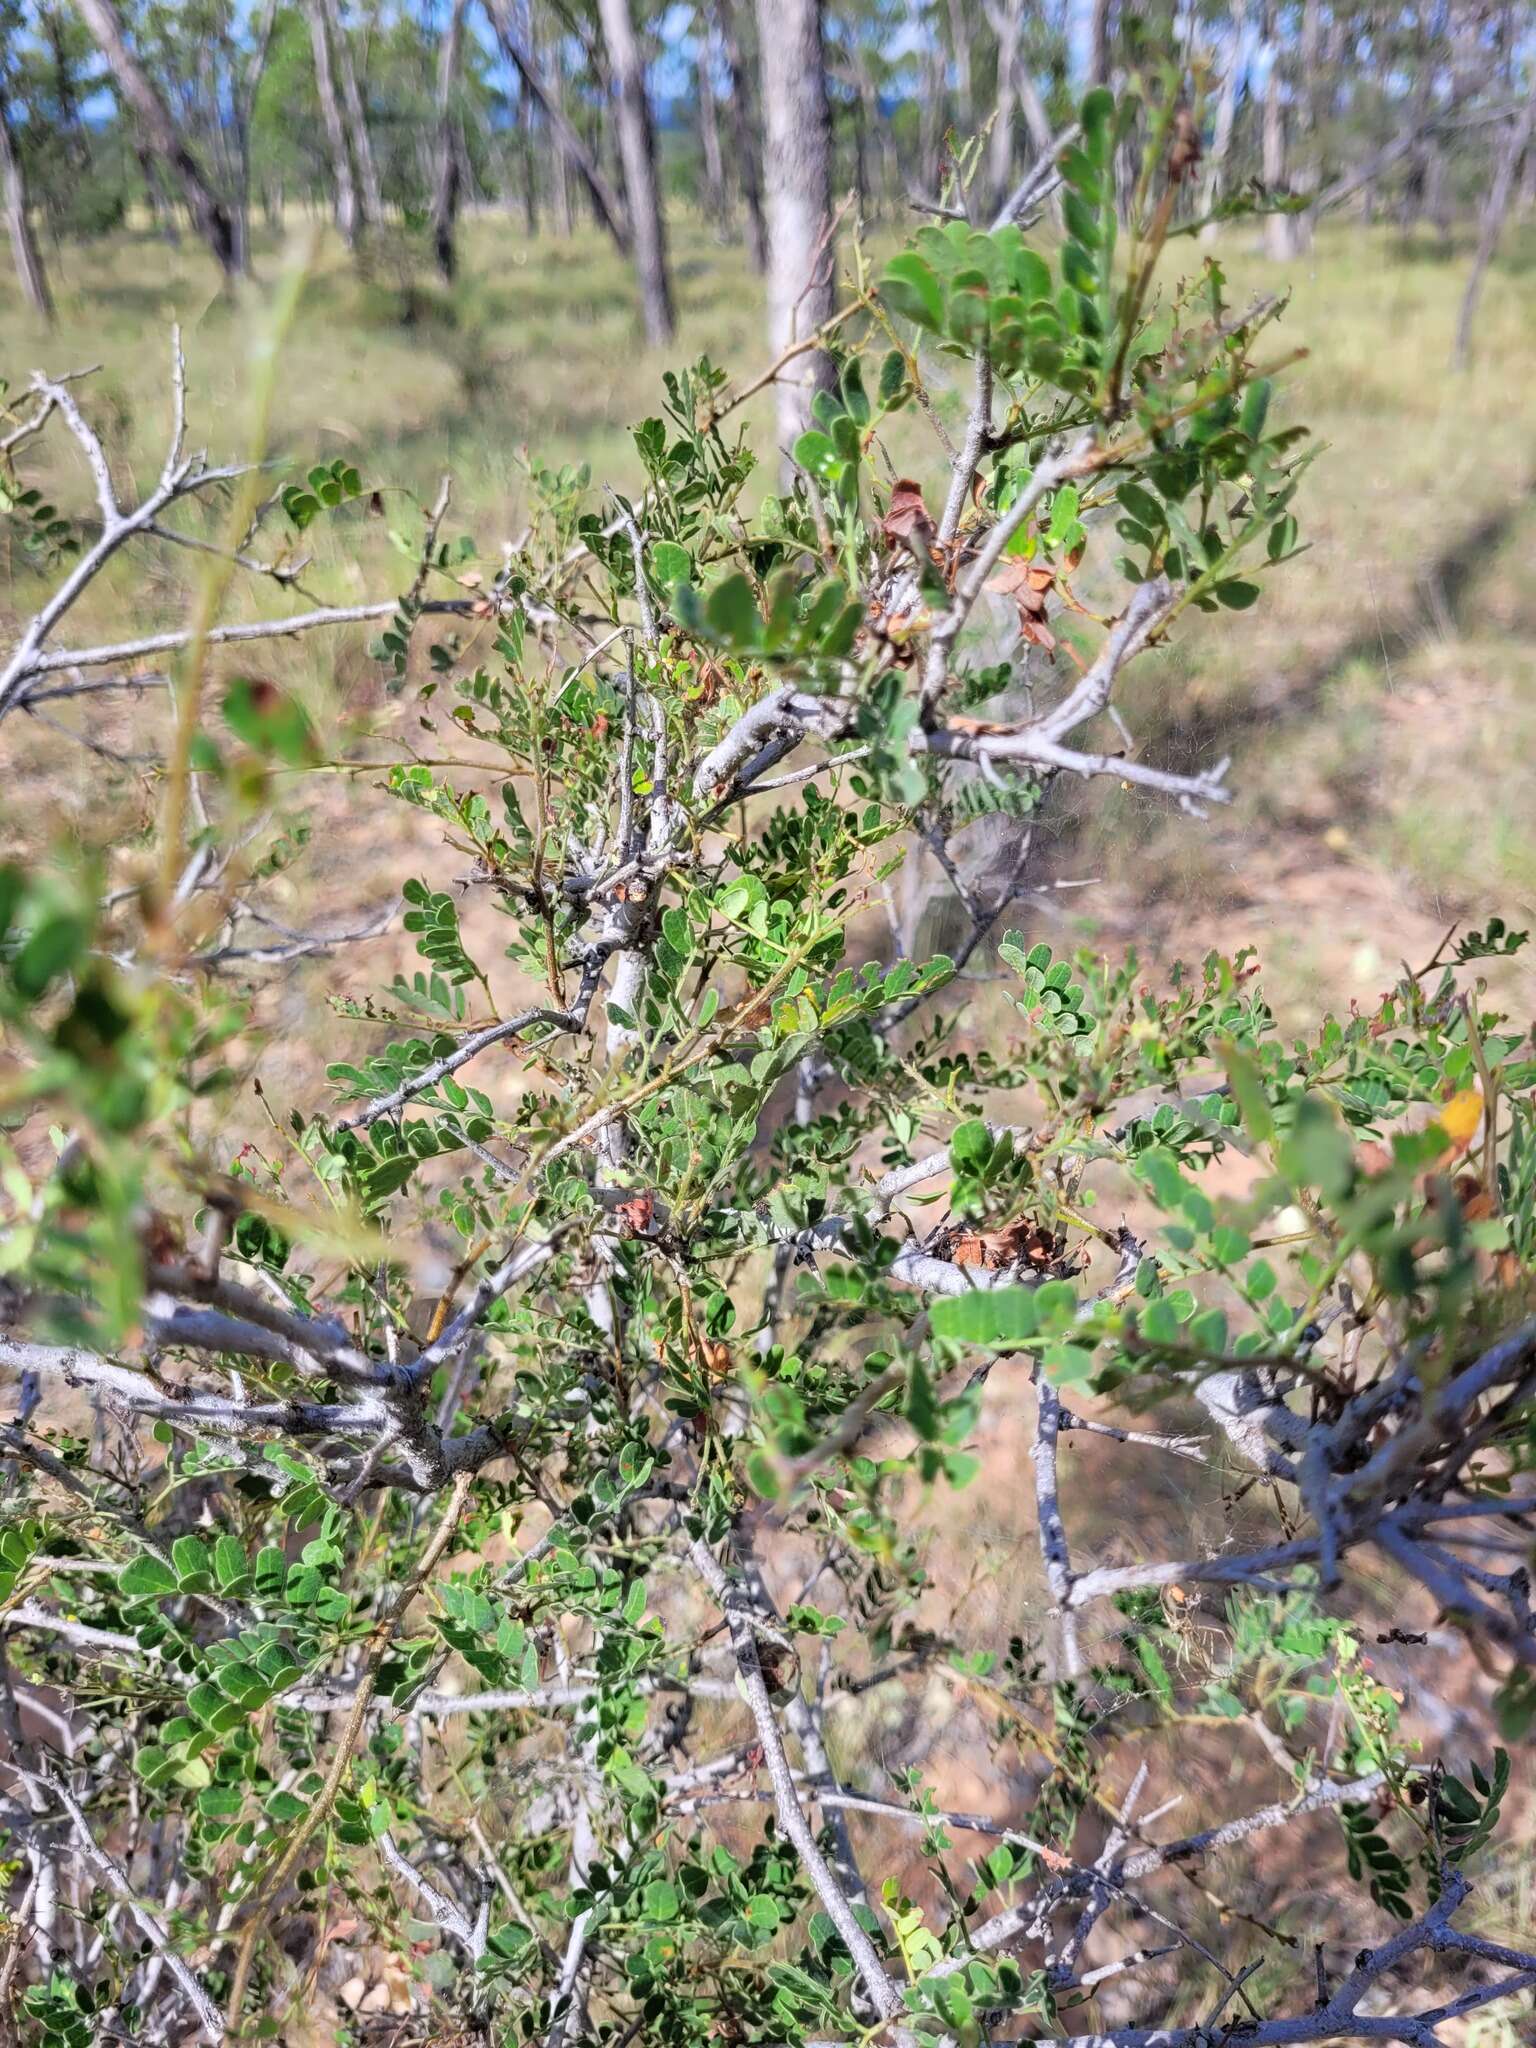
(525, 1635)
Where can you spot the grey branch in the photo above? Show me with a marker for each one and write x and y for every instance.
(734, 1605)
(111, 1874)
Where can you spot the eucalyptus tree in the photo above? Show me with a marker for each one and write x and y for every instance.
(359, 130)
(1513, 149)
(446, 180)
(26, 256)
(608, 204)
(145, 106)
(797, 187)
(637, 153)
(338, 144)
(746, 130)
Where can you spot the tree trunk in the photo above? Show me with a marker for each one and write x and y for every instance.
(965, 90)
(1277, 228)
(209, 213)
(29, 263)
(445, 185)
(930, 143)
(745, 135)
(76, 146)
(877, 134)
(560, 159)
(247, 84)
(1098, 44)
(530, 183)
(1309, 171)
(161, 212)
(1521, 137)
(1007, 25)
(861, 189)
(335, 129)
(713, 194)
(798, 161)
(637, 152)
(371, 199)
(606, 204)
(1226, 114)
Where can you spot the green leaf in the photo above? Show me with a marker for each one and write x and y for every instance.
(911, 290)
(670, 565)
(1247, 1084)
(1317, 1152)
(996, 1318)
(1097, 118)
(55, 945)
(732, 614)
(816, 454)
(190, 1557)
(661, 1901)
(228, 1562)
(270, 721)
(146, 1578)
(971, 1145)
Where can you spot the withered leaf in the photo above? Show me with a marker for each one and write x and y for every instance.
(634, 1216)
(1028, 584)
(907, 517)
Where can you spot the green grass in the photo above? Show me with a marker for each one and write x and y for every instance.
(1378, 703)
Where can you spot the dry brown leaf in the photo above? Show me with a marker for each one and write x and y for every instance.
(634, 1216)
(907, 517)
(1028, 584)
(1021, 1242)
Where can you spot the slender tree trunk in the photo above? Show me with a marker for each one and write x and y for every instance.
(445, 187)
(76, 146)
(1423, 74)
(1226, 114)
(1521, 137)
(1032, 107)
(606, 204)
(530, 182)
(860, 136)
(1277, 228)
(370, 198)
(712, 158)
(1098, 43)
(877, 134)
(745, 135)
(335, 129)
(1309, 171)
(965, 89)
(247, 85)
(160, 133)
(798, 160)
(161, 212)
(564, 201)
(29, 263)
(637, 152)
(930, 145)
(1007, 25)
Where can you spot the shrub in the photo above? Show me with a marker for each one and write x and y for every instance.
(527, 1632)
